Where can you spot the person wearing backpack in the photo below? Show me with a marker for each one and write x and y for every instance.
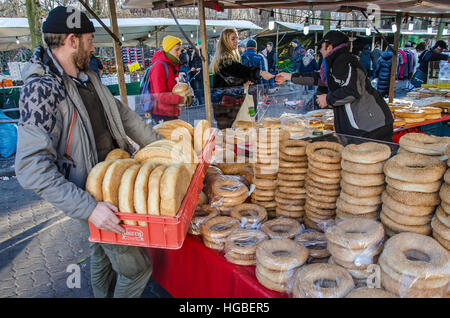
(164, 104)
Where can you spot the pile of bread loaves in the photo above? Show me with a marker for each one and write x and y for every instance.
(159, 173)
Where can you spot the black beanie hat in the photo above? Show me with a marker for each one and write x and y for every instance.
(67, 20)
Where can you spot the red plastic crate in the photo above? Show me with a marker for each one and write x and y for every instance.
(161, 231)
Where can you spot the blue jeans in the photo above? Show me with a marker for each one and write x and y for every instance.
(419, 78)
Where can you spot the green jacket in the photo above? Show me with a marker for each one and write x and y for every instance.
(50, 108)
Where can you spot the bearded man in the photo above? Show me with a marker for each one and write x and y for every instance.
(68, 123)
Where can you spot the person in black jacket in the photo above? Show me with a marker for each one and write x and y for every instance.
(433, 54)
(228, 72)
(359, 110)
(195, 73)
(272, 62)
(383, 71)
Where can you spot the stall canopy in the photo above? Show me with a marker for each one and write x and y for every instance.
(298, 27)
(133, 30)
(419, 8)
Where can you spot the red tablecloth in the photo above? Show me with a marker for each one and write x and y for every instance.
(195, 271)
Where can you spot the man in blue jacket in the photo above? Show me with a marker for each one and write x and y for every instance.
(251, 58)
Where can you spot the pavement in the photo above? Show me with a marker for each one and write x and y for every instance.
(37, 245)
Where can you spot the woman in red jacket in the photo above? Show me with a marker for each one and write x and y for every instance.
(164, 70)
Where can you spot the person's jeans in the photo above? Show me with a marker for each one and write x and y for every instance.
(272, 80)
(419, 78)
(118, 271)
(197, 86)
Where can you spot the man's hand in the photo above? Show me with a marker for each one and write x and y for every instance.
(283, 77)
(103, 217)
(322, 100)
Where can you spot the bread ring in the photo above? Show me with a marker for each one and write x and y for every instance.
(440, 228)
(293, 147)
(232, 168)
(245, 241)
(202, 213)
(413, 210)
(219, 201)
(446, 207)
(213, 245)
(445, 243)
(345, 215)
(271, 122)
(228, 187)
(444, 193)
(414, 168)
(279, 277)
(290, 158)
(291, 207)
(321, 198)
(292, 190)
(292, 170)
(406, 290)
(324, 212)
(281, 254)
(325, 173)
(413, 187)
(286, 183)
(361, 191)
(281, 228)
(319, 191)
(357, 274)
(266, 282)
(322, 185)
(361, 264)
(366, 153)
(360, 201)
(324, 151)
(406, 219)
(265, 169)
(267, 204)
(354, 208)
(322, 281)
(290, 196)
(321, 205)
(265, 184)
(424, 144)
(266, 176)
(361, 168)
(249, 213)
(447, 176)
(239, 261)
(258, 197)
(289, 201)
(288, 164)
(313, 225)
(219, 227)
(321, 179)
(367, 292)
(315, 242)
(316, 217)
(264, 193)
(325, 166)
(356, 233)
(364, 180)
(355, 256)
(413, 198)
(291, 177)
(391, 224)
(290, 214)
(294, 143)
(442, 216)
(418, 256)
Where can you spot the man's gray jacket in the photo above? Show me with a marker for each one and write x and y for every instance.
(56, 147)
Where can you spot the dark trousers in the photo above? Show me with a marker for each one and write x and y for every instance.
(385, 133)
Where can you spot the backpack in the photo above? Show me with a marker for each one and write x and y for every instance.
(147, 98)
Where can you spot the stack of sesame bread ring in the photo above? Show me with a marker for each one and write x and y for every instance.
(291, 193)
(227, 192)
(362, 180)
(412, 193)
(250, 215)
(440, 223)
(322, 281)
(355, 244)
(316, 243)
(216, 230)
(277, 261)
(240, 246)
(266, 155)
(322, 183)
(414, 265)
(424, 144)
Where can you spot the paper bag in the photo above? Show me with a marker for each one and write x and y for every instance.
(246, 107)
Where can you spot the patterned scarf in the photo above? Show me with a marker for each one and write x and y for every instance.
(324, 67)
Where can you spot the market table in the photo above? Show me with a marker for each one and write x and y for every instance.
(195, 271)
(430, 127)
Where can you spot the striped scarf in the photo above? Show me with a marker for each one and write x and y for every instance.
(324, 67)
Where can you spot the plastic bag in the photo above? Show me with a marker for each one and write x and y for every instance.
(247, 110)
(8, 137)
(240, 246)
